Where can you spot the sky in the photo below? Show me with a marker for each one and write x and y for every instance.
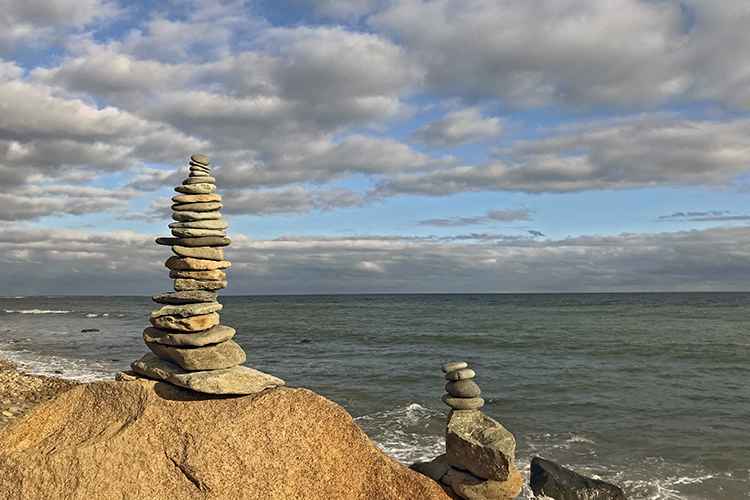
(368, 146)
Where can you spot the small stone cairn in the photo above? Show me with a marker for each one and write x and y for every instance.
(478, 462)
(190, 348)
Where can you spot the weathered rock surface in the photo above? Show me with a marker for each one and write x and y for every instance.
(210, 253)
(209, 206)
(200, 159)
(190, 284)
(213, 275)
(149, 440)
(207, 241)
(213, 335)
(553, 480)
(188, 216)
(463, 374)
(479, 444)
(471, 487)
(189, 232)
(463, 403)
(198, 172)
(198, 180)
(185, 297)
(189, 263)
(186, 310)
(190, 324)
(463, 388)
(200, 224)
(203, 188)
(211, 357)
(452, 367)
(195, 198)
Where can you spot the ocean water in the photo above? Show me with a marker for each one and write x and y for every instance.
(649, 391)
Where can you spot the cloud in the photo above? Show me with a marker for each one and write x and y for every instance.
(43, 19)
(458, 128)
(292, 201)
(492, 215)
(709, 216)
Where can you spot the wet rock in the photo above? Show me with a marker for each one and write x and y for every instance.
(555, 481)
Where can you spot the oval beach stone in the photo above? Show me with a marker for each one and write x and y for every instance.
(462, 374)
(196, 198)
(200, 158)
(185, 297)
(209, 253)
(189, 324)
(190, 284)
(451, 367)
(189, 232)
(199, 173)
(213, 335)
(202, 188)
(463, 403)
(192, 216)
(191, 264)
(200, 224)
(462, 388)
(209, 206)
(213, 275)
(198, 180)
(207, 241)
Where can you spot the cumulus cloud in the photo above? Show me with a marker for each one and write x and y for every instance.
(458, 128)
(22, 19)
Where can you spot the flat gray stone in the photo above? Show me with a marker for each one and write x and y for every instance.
(193, 216)
(186, 310)
(188, 297)
(190, 284)
(210, 357)
(463, 388)
(480, 445)
(213, 335)
(189, 324)
(189, 232)
(211, 275)
(462, 374)
(200, 158)
(209, 206)
(195, 198)
(202, 188)
(198, 180)
(209, 253)
(235, 380)
(207, 241)
(463, 403)
(198, 165)
(451, 367)
(200, 224)
(191, 264)
(199, 173)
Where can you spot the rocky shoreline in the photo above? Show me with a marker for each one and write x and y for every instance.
(20, 392)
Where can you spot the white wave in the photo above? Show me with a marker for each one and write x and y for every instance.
(34, 311)
(91, 315)
(105, 314)
(80, 370)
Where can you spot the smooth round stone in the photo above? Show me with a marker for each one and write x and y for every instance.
(186, 310)
(209, 253)
(200, 224)
(452, 367)
(185, 297)
(462, 388)
(463, 403)
(207, 241)
(212, 275)
(188, 232)
(212, 357)
(198, 173)
(190, 264)
(209, 206)
(198, 180)
(192, 216)
(190, 284)
(462, 374)
(200, 158)
(189, 324)
(195, 198)
(202, 188)
(213, 335)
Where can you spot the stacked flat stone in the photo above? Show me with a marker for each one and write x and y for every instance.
(463, 393)
(190, 347)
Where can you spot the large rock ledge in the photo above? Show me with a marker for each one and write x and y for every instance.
(151, 440)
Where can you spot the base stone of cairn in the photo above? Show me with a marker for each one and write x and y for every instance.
(190, 348)
(478, 463)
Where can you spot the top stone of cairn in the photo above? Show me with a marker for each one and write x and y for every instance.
(199, 158)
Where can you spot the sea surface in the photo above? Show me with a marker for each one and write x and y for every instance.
(650, 391)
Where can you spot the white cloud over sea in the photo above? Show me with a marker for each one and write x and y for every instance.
(502, 145)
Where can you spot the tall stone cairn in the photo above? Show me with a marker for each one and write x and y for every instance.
(189, 346)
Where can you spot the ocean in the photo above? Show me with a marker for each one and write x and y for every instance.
(650, 391)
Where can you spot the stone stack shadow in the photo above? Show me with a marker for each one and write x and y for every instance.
(190, 348)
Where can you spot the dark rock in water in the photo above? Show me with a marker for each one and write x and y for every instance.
(305, 341)
(553, 480)
(90, 330)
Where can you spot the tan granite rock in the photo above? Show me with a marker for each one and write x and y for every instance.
(186, 310)
(213, 275)
(189, 263)
(203, 188)
(190, 324)
(193, 179)
(200, 224)
(210, 357)
(209, 253)
(209, 206)
(189, 232)
(479, 444)
(196, 198)
(190, 216)
(471, 487)
(213, 335)
(190, 284)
